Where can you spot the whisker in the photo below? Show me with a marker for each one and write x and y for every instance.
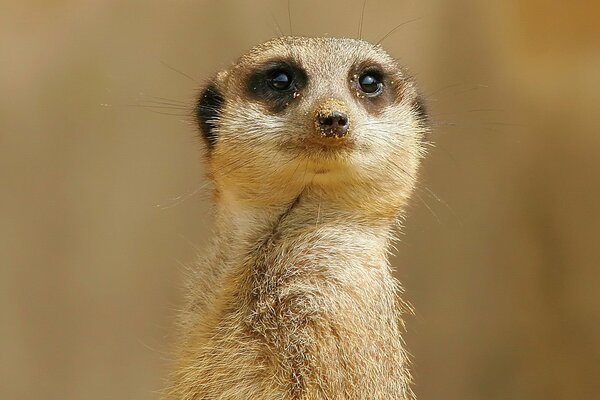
(181, 198)
(503, 124)
(232, 167)
(429, 208)
(165, 113)
(362, 17)
(396, 28)
(487, 110)
(279, 30)
(167, 99)
(442, 89)
(165, 103)
(169, 107)
(290, 17)
(438, 199)
(178, 71)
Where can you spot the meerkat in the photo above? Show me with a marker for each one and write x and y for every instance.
(313, 146)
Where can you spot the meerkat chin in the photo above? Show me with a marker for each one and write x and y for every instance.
(313, 146)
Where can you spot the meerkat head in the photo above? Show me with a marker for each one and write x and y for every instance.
(336, 117)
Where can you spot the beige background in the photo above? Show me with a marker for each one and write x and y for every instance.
(102, 202)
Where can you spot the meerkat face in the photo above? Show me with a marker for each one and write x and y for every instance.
(336, 116)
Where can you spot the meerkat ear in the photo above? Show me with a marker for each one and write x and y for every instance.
(208, 110)
(420, 108)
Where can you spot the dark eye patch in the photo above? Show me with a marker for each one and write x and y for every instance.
(276, 83)
(376, 87)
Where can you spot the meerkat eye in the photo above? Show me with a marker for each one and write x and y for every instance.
(280, 80)
(370, 83)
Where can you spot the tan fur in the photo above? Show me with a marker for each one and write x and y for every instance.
(296, 299)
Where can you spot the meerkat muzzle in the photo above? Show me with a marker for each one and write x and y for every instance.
(331, 119)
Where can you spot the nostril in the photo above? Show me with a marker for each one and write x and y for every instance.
(327, 121)
(336, 119)
(339, 119)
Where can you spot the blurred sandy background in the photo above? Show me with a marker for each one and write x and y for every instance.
(101, 198)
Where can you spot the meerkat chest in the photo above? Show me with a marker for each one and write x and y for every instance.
(328, 318)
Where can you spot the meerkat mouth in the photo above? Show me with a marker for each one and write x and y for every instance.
(327, 147)
(327, 165)
(324, 158)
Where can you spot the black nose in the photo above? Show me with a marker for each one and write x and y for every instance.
(335, 124)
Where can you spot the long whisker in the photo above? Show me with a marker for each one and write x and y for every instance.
(279, 30)
(438, 199)
(181, 198)
(396, 28)
(362, 17)
(165, 106)
(162, 112)
(429, 208)
(167, 99)
(290, 18)
(178, 71)
(154, 103)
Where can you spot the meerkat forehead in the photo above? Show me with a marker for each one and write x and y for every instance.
(316, 52)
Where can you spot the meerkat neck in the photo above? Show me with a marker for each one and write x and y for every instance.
(244, 227)
(315, 287)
